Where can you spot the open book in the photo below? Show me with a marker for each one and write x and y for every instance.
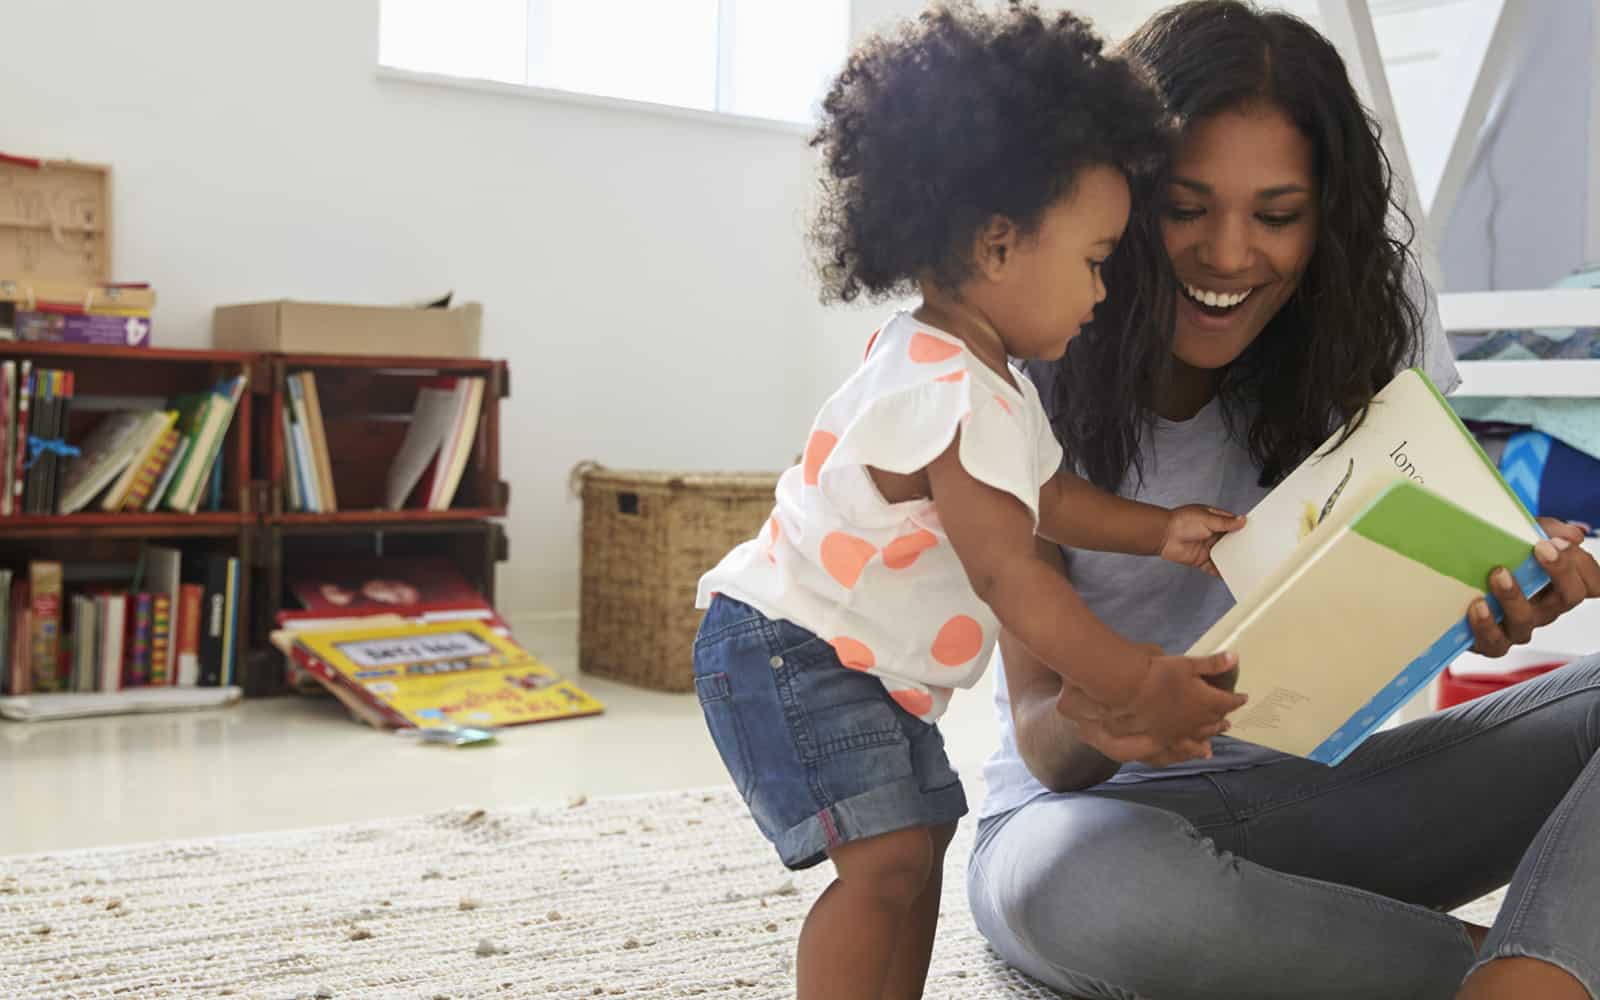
(1354, 575)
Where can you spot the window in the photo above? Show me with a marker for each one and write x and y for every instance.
(760, 58)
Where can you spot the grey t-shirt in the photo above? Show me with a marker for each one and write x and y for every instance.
(1148, 600)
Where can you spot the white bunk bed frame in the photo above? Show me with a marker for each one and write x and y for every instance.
(1349, 24)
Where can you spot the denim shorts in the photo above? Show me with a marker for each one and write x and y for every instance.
(820, 752)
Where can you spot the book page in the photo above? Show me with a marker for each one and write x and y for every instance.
(1409, 434)
(1317, 650)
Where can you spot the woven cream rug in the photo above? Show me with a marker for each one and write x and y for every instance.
(650, 897)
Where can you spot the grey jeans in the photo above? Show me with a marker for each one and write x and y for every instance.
(1290, 879)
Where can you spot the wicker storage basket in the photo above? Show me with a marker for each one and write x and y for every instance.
(648, 537)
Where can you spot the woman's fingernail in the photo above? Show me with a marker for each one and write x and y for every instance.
(1502, 579)
(1480, 611)
(1546, 550)
(1561, 544)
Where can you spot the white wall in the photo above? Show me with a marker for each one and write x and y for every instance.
(644, 274)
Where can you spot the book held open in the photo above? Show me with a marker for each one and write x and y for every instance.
(1354, 575)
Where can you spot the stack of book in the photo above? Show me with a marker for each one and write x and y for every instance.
(34, 405)
(427, 469)
(170, 621)
(131, 460)
(309, 467)
(407, 674)
(410, 643)
(69, 312)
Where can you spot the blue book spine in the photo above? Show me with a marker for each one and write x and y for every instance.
(1530, 576)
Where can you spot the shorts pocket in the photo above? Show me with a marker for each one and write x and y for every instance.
(716, 702)
(932, 763)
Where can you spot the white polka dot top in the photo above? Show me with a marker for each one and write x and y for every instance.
(877, 580)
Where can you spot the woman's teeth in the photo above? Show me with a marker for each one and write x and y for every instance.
(1216, 300)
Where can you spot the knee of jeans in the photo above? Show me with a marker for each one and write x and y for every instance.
(1099, 892)
(1583, 676)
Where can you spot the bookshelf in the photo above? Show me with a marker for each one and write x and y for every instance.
(100, 552)
(366, 403)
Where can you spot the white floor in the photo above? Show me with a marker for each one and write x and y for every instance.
(283, 763)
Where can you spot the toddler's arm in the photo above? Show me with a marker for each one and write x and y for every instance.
(992, 533)
(1078, 514)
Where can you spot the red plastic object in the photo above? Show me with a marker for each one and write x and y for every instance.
(1454, 690)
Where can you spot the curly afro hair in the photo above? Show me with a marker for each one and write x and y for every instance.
(958, 116)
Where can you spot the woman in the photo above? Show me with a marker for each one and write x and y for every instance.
(1252, 874)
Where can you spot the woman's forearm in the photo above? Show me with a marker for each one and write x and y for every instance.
(1050, 747)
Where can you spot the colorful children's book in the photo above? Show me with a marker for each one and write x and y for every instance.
(44, 584)
(443, 673)
(205, 423)
(19, 458)
(136, 667)
(101, 457)
(191, 601)
(151, 472)
(8, 432)
(1355, 574)
(154, 425)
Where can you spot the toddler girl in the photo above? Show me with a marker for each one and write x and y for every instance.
(983, 162)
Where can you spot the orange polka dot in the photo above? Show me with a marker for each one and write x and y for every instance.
(853, 654)
(958, 641)
(903, 551)
(870, 341)
(953, 376)
(818, 447)
(845, 556)
(929, 350)
(1003, 404)
(916, 702)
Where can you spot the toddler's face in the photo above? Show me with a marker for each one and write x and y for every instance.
(1049, 288)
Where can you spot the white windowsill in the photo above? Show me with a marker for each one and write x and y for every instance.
(526, 92)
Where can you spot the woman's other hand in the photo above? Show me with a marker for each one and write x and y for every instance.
(1574, 578)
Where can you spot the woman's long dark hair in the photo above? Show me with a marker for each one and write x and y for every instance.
(1348, 327)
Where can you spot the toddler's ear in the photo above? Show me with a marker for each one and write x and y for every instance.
(994, 245)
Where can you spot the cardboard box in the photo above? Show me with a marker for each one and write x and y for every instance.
(76, 296)
(55, 220)
(286, 327)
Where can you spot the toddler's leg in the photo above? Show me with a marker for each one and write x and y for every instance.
(850, 935)
(908, 970)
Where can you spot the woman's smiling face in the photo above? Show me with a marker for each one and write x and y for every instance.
(1240, 225)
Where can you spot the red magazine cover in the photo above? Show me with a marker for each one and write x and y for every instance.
(382, 586)
(421, 589)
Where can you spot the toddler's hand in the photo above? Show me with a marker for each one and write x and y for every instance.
(1192, 530)
(1180, 699)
